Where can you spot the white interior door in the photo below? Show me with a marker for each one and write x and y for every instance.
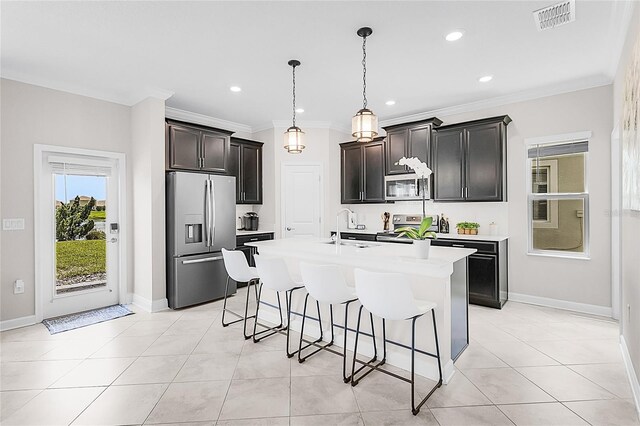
(302, 200)
(78, 241)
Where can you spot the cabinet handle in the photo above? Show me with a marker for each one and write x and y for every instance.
(253, 239)
(462, 192)
(457, 245)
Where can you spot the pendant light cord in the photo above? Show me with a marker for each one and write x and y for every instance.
(364, 72)
(294, 96)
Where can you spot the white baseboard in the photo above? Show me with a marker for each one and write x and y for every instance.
(400, 358)
(17, 322)
(633, 377)
(603, 311)
(150, 306)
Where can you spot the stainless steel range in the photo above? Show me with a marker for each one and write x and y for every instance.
(402, 220)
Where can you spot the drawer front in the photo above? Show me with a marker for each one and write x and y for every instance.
(243, 239)
(481, 246)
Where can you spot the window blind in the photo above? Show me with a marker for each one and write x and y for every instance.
(559, 149)
(74, 166)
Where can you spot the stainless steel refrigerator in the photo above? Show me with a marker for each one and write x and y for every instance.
(200, 223)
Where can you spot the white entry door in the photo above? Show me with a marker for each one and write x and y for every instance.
(78, 234)
(301, 200)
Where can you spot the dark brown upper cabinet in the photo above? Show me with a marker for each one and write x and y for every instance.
(408, 140)
(362, 172)
(245, 163)
(193, 147)
(469, 161)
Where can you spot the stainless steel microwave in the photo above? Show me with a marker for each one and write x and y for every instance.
(405, 188)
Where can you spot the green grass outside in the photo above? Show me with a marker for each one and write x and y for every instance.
(81, 257)
(97, 216)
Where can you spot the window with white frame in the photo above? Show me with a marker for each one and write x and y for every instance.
(558, 199)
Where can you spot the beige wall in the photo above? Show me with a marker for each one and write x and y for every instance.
(36, 115)
(148, 163)
(630, 250)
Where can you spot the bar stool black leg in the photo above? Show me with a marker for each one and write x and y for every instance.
(302, 359)
(416, 409)
(368, 364)
(269, 330)
(246, 309)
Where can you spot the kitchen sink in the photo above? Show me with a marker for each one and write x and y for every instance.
(356, 244)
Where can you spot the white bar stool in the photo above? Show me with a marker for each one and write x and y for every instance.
(275, 276)
(326, 284)
(389, 296)
(239, 270)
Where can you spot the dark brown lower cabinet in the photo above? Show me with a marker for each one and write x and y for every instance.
(487, 270)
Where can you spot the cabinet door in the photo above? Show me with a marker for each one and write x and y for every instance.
(184, 148)
(483, 146)
(234, 169)
(396, 149)
(483, 277)
(448, 165)
(215, 152)
(251, 174)
(351, 174)
(419, 142)
(373, 172)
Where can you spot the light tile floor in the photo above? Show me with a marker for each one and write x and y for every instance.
(525, 365)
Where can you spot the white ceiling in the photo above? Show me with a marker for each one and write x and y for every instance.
(123, 51)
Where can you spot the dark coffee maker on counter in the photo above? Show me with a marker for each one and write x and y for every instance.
(250, 221)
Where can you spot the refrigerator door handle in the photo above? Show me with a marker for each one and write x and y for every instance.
(207, 259)
(212, 199)
(207, 213)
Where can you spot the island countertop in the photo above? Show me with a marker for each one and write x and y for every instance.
(376, 255)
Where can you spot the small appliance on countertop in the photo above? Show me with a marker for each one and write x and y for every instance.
(250, 222)
(402, 220)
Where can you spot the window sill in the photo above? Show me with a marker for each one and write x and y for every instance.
(560, 255)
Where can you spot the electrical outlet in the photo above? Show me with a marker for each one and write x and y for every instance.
(579, 213)
(18, 287)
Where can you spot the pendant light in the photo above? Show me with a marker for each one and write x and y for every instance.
(294, 136)
(364, 125)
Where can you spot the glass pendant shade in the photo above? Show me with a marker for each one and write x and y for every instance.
(364, 125)
(294, 140)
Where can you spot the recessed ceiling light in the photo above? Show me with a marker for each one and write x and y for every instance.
(391, 102)
(485, 79)
(454, 35)
(235, 89)
(299, 110)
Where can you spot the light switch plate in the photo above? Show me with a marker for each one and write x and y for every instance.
(13, 224)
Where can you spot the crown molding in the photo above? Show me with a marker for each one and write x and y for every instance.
(126, 100)
(558, 89)
(155, 93)
(205, 120)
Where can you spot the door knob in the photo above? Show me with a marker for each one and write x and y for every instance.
(290, 229)
(113, 240)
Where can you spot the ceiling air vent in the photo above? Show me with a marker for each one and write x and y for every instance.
(556, 15)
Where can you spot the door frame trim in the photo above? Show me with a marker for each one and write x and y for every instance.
(38, 152)
(283, 168)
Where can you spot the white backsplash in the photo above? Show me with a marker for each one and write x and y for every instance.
(482, 213)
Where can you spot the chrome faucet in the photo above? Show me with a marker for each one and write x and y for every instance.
(345, 210)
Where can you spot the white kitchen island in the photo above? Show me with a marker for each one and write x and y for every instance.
(441, 279)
